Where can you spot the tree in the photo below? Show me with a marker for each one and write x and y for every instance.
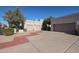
(46, 23)
(9, 17)
(15, 18)
(44, 26)
(19, 19)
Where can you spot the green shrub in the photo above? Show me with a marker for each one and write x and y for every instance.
(8, 31)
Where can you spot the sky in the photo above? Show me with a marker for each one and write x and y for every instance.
(40, 12)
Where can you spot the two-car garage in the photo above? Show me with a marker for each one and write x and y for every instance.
(66, 24)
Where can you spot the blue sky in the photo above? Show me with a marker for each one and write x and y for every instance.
(39, 12)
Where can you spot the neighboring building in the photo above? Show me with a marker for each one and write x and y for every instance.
(33, 25)
(66, 24)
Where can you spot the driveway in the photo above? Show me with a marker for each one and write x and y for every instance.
(47, 42)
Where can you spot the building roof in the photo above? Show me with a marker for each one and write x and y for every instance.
(67, 19)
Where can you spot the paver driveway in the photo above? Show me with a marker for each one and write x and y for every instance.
(45, 41)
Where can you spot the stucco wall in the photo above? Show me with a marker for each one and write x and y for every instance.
(66, 23)
(65, 27)
(31, 25)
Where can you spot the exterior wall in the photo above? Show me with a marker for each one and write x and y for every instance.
(66, 23)
(31, 25)
(67, 19)
(52, 25)
(66, 27)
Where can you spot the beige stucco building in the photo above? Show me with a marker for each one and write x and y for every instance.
(33, 25)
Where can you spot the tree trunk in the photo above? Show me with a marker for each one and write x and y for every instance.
(22, 22)
(10, 24)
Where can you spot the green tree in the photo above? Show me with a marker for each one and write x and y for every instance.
(19, 19)
(15, 18)
(9, 17)
(47, 21)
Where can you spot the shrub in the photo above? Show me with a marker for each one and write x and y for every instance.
(8, 31)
